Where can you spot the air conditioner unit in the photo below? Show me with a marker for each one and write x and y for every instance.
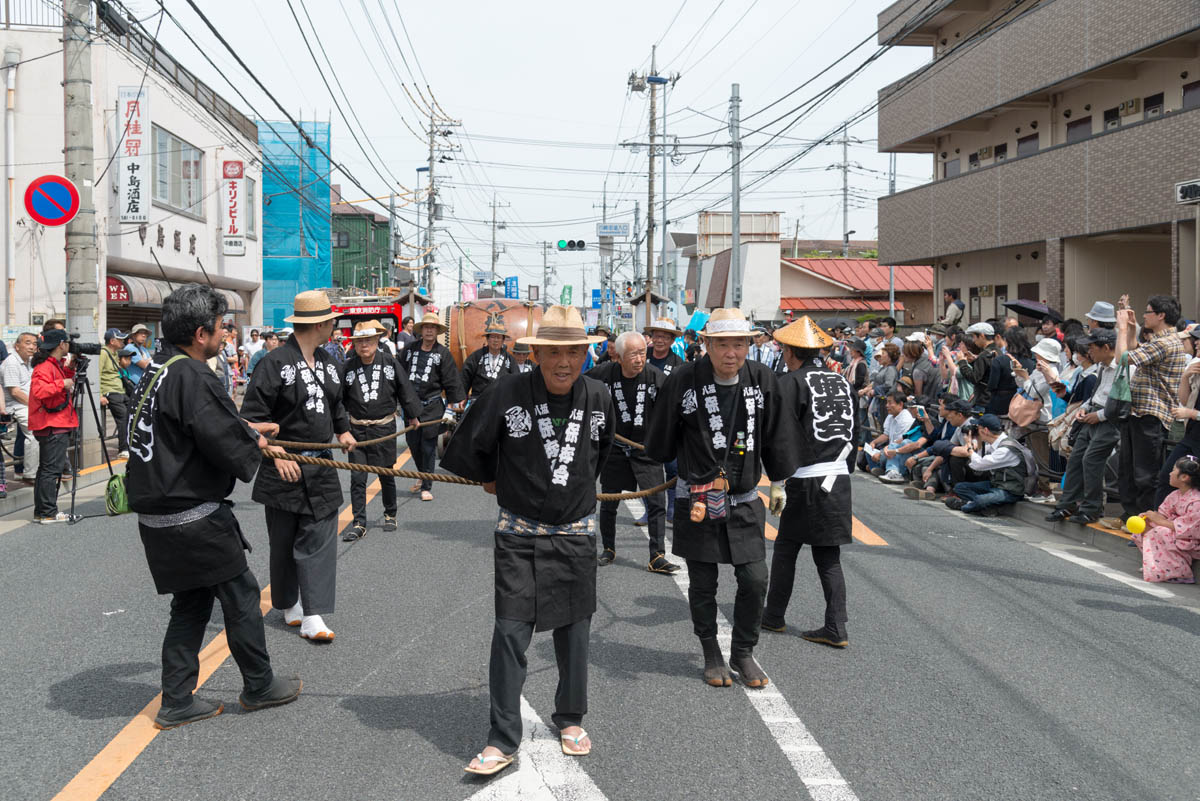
(985, 152)
(1131, 107)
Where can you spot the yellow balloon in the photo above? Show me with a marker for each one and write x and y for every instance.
(1136, 524)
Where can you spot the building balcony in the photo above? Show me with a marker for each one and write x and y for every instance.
(1116, 180)
(1026, 59)
(906, 22)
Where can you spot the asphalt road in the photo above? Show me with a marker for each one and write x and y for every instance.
(987, 661)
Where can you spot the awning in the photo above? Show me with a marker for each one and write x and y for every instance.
(135, 291)
(836, 304)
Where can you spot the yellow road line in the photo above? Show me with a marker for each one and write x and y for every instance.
(859, 531)
(107, 766)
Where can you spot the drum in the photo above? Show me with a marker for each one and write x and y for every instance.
(467, 321)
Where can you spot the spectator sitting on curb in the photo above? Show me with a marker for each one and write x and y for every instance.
(928, 465)
(1004, 461)
(1172, 536)
(888, 462)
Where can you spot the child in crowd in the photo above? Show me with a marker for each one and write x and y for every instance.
(1172, 537)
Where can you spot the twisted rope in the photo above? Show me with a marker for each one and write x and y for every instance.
(448, 479)
(320, 446)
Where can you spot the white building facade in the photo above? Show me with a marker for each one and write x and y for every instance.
(180, 141)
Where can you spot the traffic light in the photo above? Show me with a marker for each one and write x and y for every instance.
(572, 244)
(629, 289)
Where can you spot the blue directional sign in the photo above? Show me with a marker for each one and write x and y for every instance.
(595, 298)
(512, 287)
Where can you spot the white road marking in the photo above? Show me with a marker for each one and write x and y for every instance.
(808, 759)
(541, 772)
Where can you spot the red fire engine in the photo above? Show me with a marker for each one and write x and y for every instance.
(390, 306)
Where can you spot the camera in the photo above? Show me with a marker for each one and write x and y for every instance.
(83, 348)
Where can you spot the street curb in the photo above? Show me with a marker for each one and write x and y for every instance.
(1098, 537)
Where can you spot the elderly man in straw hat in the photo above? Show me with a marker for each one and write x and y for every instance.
(490, 362)
(662, 336)
(634, 386)
(520, 354)
(432, 371)
(817, 510)
(720, 416)
(376, 386)
(538, 441)
(298, 386)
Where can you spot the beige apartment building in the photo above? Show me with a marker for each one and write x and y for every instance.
(1058, 130)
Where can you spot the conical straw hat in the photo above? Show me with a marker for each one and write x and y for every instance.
(803, 333)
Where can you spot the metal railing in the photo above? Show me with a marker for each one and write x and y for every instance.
(31, 14)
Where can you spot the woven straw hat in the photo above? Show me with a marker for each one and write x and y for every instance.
(666, 325)
(803, 333)
(561, 325)
(728, 323)
(311, 307)
(367, 329)
(432, 319)
(495, 325)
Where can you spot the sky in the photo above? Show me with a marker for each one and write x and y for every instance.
(541, 91)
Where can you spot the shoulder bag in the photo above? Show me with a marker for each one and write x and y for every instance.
(116, 501)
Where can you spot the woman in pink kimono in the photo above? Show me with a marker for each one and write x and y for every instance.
(1172, 536)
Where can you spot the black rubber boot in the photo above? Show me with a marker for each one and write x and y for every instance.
(198, 709)
(281, 691)
(716, 674)
(833, 636)
(748, 671)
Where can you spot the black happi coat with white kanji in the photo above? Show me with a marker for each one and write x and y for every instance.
(189, 446)
(545, 470)
(307, 404)
(687, 424)
(432, 373)
(632, 410)
(481, 369)
(821, 405)
(374, 391)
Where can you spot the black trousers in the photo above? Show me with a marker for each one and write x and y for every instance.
(960, 471)
(1139, 461)
(303, 560)
(828, 559)
(119, 409)
(1083, 483)
(380, 455)
(751, 580)
(52, 463)
(506, 677)
(423, 447)
(190, 613)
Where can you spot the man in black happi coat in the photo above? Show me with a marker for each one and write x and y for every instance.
(634, 386)
(481, 369)
(432, 372)
(720, 416)
(817, 510)
(188, 448)
(538, 441)
(375, 386)
(299, 386)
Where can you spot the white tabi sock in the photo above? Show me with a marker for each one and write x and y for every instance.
(292, 616)
(312, 625)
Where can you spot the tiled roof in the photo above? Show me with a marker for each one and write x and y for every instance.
(836, 304)
(868, 275)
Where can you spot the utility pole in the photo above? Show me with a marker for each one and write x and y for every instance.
(437, 127)
(545, 275)
(735, 255)
(391, 270)
(668, 282)
(637, 232)
(650, 184)
(460, 279)
(892, 267)
(495, 252)
(83, 301)
(845, 192)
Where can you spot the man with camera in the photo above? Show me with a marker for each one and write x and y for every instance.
(114, 394)
(1002, 461)
(52, 418)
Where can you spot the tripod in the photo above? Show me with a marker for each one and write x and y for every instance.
(82, 385)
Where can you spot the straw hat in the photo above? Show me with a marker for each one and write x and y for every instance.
(495, 325)
(521, 347)
(432, 319)
(311, 307)
(561, 325)
(367, 329)
(804, 333)
(664, 324)
(728, 323)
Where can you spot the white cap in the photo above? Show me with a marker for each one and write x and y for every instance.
(1049, 349)
(982, 328)
(915, 336)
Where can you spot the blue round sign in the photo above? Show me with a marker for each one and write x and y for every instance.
(52, 200)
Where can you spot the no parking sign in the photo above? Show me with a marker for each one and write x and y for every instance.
(52, 200)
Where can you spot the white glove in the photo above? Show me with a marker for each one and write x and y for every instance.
(778, 500)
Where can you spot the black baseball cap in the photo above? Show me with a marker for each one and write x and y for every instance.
(51, 339)
(1101, 336)
(991, 422)
(959, 405)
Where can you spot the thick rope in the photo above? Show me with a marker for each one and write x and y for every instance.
(420, 476)
(320, 446)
